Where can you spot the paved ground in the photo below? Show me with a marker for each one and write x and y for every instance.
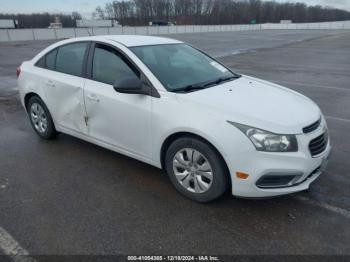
(71, 197)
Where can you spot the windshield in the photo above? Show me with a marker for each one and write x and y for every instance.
(180, 67)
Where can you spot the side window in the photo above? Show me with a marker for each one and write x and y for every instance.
(108, 65)
(70, 58)
(50, 60)
(41, 62)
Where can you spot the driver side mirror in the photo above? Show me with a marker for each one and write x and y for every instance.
(131, 85)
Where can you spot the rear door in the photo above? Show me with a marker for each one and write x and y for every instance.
(64, 84)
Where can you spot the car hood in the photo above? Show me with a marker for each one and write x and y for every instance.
(254, 102)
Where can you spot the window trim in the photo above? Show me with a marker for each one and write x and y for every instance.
(88, 72)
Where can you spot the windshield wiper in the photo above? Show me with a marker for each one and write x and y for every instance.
(200, 86)
(190, 88)
(221, 80)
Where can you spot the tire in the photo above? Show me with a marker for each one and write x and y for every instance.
(40, 118)
(188, 178)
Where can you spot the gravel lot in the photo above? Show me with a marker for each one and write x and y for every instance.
(70, 197)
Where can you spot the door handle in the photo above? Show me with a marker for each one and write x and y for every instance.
(93, 98)
(50, 83)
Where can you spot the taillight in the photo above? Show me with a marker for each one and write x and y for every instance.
(18, 71)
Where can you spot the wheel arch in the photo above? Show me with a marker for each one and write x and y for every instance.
(27, 97)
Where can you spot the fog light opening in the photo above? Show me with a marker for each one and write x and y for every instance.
(278, 180)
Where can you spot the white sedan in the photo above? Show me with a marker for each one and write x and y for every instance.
(170, 105)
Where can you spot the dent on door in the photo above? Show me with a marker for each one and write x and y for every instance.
(71, 109)
(76, 110)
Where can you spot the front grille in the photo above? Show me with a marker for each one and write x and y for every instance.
(318, 144)
(312, 127)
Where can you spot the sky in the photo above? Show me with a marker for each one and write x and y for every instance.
(86, 7)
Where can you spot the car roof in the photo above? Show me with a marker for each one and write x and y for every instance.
(132, 40)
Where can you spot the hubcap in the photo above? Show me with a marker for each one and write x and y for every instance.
(192, 170)
(38, 117)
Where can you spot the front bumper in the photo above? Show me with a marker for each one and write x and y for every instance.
(259, 164)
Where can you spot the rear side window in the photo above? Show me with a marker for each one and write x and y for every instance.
(70, 58)
(41, 62)
(108, 65)
(50, 59)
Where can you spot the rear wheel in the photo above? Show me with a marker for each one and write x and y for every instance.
(40, 118)
(196, 169)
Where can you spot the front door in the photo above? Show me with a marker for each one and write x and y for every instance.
(119, 120)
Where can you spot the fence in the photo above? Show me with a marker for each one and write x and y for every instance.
(48, 34)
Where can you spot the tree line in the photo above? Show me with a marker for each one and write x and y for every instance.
(141, 12)
(42, 20)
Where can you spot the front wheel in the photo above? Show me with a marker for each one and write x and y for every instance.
(196, 169)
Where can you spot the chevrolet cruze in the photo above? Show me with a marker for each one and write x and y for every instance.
(170, 105)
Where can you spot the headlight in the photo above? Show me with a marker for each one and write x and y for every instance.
(267, 141)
